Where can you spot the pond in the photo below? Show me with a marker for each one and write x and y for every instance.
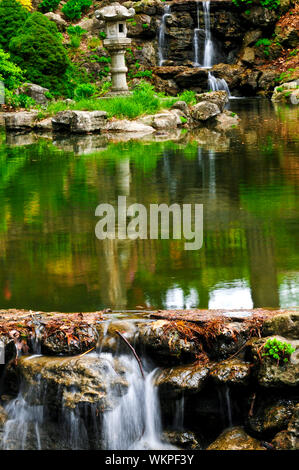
(247, 180)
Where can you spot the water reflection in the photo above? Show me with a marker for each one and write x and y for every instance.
(247, 180)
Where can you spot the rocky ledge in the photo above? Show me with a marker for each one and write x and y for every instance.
(213, 362)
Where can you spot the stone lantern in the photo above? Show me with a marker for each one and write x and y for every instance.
(116, 42)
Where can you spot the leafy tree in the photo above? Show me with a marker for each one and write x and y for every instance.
(10, 73)
(12, 17)
(38, 49)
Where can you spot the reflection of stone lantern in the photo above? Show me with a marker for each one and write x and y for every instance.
(116, 42)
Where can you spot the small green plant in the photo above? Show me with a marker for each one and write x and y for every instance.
(48, 5)
(269, 4)
(188, 96)
(102, 35)
(84, 90)
(73, 9)
(278, 350)
(75, 34)
(183, 120)
(143, 74)
(266, 43)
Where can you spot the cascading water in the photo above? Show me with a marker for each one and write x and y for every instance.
(209, 48)
(162, 35)
(138, 411)
(196, 39)
(215, 84)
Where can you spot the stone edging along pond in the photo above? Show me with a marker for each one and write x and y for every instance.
(201, 355)
(208, 111)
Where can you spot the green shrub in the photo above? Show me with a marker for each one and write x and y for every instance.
(277, 350)
(143, 74)
(10, 73)
(18, 101)
(75, 33)
(270, 4)
(48, 5)
(38, 49)
(188, 96)
(84, 90)
(12, 17)
(73, 8)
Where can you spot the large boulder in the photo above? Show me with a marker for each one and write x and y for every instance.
(289, 438)
(72, 381)
(124, 125)
(204, 111)
(287, 92)
(271, 415)
(182, 440)
(193, 78)
(220, 98)
(36, 92)
(269, 373)
(182, 379)
(285, 324)
(235, 439)
(23, 121)
(164, 343)
(161, 121)
(58, 20)
(68, 340)
(80, 122)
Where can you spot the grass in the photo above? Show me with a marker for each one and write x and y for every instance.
(142, 101)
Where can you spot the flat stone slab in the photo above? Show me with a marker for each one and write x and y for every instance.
(79, 122)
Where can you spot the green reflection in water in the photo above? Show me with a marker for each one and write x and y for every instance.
(247, 180)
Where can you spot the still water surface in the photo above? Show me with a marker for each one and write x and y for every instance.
(247, 180)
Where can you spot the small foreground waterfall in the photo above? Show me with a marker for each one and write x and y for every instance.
(136, 422)
(162, 35)
(215, 84)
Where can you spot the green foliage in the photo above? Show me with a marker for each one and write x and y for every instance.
(188, 96)
(48, 5)
(84, 90)
(75, 33)
(270, 4)
(183, 120)
(143, 74)
(73, 9)
(12, 17)
(18, 101)
(102, 35)
(278, 350)
(38, 49)
(10, 73)
(263, 42)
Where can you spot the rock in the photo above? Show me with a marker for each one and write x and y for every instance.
(80, 122)
(109, 341)
(287, 35)
(58, 20)
(3, 416)
(36, 92)
(44, 125)
(72, 381)
(165, 345)
(232, 372)
(220, 98)
(227, 120)
(285, 324)
(289, 439)
(271, 416)
(193, 78)
(235, 439)
(23, 121)
(248, 56)
(182, 106)
(161, 121)
(182, 440)
(204, 110)
(260, 16)
(230, 339)
(129, 126)
(273, 375)
(57, 342)
(8, 344)
(181, 118)
(182, 380)
(287, 92)
(267, 80)
(251, 37)
(91, 25)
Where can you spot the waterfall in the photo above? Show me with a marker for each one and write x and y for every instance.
(209, 48)
(215, 84)
(162, 35)
(138, 412)
(196, 39)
